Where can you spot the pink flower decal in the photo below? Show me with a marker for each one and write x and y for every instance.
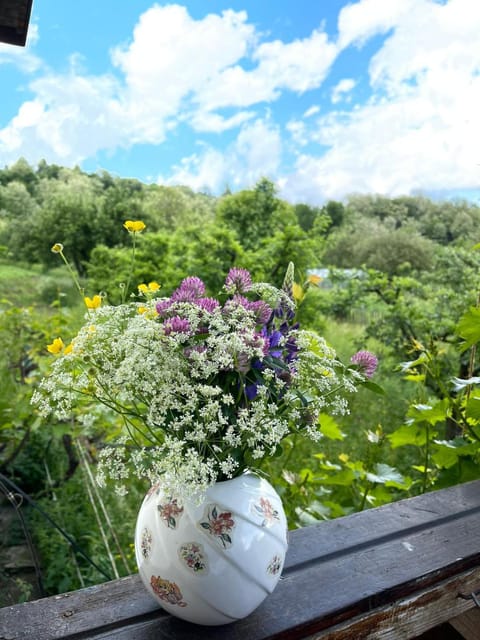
(265, 510)
(194, 557)
(170, 513)
(167, 591)
(219, 525)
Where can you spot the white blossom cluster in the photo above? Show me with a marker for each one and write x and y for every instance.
(200, 397)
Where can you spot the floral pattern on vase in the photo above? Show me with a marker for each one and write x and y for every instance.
(219, 524)
(194, 557)
(265, 510)
(274, 565)
(170, 513)
(167, 591)
(146, 543)
(221, 561)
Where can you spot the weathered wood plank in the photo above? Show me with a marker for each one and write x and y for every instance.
(369, 569)
(411, 616)
(468, 623)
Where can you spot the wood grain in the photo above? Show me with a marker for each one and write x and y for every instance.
(388, 573)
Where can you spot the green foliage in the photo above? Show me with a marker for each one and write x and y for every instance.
(255, 214)
(68, 566)
(391, 252)
(403, 284)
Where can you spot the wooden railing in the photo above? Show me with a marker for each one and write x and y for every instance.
(391, 573)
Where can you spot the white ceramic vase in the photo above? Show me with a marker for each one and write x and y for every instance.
(212, 563)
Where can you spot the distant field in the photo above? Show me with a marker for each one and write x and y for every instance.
(26, 285)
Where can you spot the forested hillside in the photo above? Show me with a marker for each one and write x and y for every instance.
(399, 276)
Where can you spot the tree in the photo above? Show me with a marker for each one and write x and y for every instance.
(255, 214)
(22, 172)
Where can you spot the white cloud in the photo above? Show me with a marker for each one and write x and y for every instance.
(175, 71)
(71, 118)
(429, 37)
(256, 152)
(419, 129)
(311, 111)
(360, 21)
(171, 58)
(340, 89)
(214, 122)
(298, 131)
(297, 66)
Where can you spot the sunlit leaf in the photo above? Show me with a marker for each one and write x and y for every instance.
(343, 478)
(330, 428)
(468, 328)
(408, 435)
(472, 408)
(387, 475)
(432, 414)
(461, 383)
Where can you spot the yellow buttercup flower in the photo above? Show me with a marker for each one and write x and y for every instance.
(298, 292)
(134, 226)
(68, 349)
(313, 279)
(149, 288)
(343, 457)
(57, 247)
(93, 303)
(56, 346)
(148, 312)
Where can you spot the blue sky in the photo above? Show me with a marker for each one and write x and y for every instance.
(326, 98)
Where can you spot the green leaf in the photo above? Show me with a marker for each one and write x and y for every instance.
(373, 387)
(341, 478)
(415, 377)
(306, 519)
(411, 364)
(330, 428)
(408, 434)
(432, 414)
(278, 451)
(387, 475)
(468, 328)
(472, 408)
(445, 457)
(459, 384)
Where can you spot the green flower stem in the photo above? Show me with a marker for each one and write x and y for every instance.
(132, 265)
(72, 274)
(368, 486)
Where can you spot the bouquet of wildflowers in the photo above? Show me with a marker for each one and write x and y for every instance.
(205, 387)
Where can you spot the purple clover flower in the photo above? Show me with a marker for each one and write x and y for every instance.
(208, 304)
(366, 361)
(238, 280)
(176, 325)
(190, 290)
(262, 311)
(163, 306)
